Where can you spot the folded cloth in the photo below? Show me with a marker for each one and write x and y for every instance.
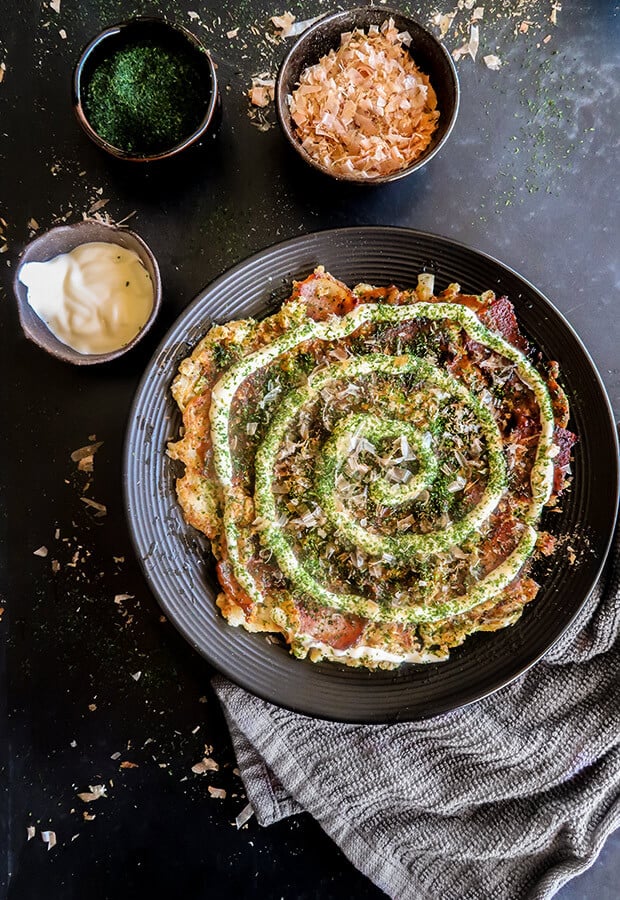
(507, 798)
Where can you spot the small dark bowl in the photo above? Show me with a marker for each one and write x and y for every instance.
(428, 53)
(63, 240)
(167, 35)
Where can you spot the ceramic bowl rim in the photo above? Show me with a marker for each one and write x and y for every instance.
(113, 31)
(289, 131)
(50, 343)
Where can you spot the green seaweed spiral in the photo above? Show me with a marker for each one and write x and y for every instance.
(375, 424)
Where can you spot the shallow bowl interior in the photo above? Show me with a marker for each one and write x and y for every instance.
(62, 240)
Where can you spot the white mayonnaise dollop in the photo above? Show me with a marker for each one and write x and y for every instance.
(95, 298)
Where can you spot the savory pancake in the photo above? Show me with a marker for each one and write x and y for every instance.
(370, 466)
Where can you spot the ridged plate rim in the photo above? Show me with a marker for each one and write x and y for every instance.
(171, 552)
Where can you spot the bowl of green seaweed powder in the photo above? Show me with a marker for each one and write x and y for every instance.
(145, 90)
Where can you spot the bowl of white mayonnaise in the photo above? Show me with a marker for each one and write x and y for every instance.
(87, 292)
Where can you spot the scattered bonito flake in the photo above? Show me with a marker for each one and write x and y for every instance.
(471, 46)
(94, 793)
(193, 15)
(555, 9)
(126, 218)
(303, 25)
(42, 551)
(31, 831)
(120, 598)
(263, 90)
(84, 456)
(205, 765)
(492, 62)
(128, 765)
(523, 27)
(101, 508)
(136, 676)
(55, 5)
(284, 23)
(474, 41)
(55, 566)
(92, 707)
(478, 13)
(232, 33)
(33, 224)
(49, 837)
(244, 816)
(88, 817)
(98, 204)
(2, 70)
(257, 119)
(217, 793)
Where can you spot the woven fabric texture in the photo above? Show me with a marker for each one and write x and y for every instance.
(507, 798)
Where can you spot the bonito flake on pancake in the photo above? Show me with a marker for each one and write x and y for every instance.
(370, 466)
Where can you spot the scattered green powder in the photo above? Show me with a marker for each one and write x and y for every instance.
(146, 99)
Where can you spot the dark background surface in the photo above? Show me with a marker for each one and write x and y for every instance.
(528, 176)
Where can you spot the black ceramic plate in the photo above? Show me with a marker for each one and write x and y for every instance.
(176, 559)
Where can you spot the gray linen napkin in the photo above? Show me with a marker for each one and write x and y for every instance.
(507, 798)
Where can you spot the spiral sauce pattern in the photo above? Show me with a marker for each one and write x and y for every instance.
(358, 476)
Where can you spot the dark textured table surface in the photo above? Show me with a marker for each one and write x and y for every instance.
(94, 681)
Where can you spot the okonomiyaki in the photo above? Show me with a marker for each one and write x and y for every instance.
(370, 466)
